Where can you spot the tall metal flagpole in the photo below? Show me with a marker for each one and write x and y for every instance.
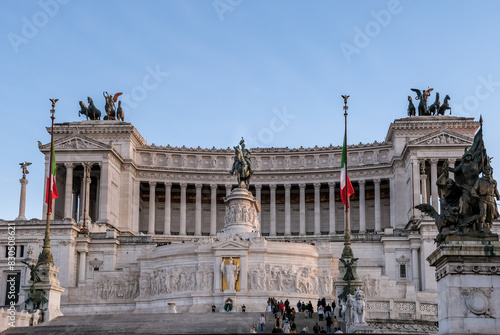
(45, 255)
(347, 252)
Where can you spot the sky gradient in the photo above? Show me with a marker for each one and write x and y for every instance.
(207, 72)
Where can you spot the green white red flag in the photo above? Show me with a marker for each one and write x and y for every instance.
(345, 182)
(51, 192)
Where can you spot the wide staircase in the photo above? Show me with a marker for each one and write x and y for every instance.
(156, 323)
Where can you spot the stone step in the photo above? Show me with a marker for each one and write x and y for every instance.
(158, 323)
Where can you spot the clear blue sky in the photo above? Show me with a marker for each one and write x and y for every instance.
(205, 73)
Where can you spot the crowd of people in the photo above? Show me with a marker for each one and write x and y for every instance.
(285, 313)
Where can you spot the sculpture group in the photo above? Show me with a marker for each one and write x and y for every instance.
(468, 205)
(434, 109)
(112, 113)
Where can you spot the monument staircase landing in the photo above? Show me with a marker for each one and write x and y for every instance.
(158, 323)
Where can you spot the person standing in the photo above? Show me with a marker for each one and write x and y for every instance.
(329, 322)
(335, 324)
(262, 322)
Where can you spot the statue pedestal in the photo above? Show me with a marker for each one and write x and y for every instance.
(241, 213)
(468, 281)
(51, 286)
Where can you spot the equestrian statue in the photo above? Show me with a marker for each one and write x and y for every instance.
(242, 165)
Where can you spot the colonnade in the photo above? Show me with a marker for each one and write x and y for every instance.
(313, 227)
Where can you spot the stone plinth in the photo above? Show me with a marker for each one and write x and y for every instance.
(241, 212)
(468, 282)
(51, 286)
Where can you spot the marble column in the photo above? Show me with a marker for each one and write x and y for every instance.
(82, 268)
(378, 224)
(88, 180)
(414, 267)
(74, 211)
(135, 208)
(434, 190)
(228, 189)
(258, 195)
(82, 195)
(272, 230)
(362, 208)
(213, 209)
(317, 217)
(68, 191)
(287, 210)
(152, 207)
(423, 185)
(168, 209)
(182, 225)
(416, 185)
(104, 192)
(332, 208)
(22, 200)
(302, 222)
(197, 221)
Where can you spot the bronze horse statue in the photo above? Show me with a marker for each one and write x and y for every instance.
(119, 112)
(411, 107)
(90, 112)
(444, 106)
(241, 169)
(435, 106)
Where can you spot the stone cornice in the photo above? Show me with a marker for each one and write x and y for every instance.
(419, 125)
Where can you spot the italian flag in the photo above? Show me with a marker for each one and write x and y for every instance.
(344, 178)
(51, 193)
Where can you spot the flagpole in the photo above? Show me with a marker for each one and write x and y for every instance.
(347, 252)
(46, 256)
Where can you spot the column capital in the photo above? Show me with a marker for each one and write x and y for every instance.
(451, 161)
(213, 186)
(332, 184)
(423, 176)
(229, 186)
(272, 187)
(69, 166)
(198, 186)
(302, 186)
(434, 161)
(183, 185)
(376, 181)
(168, 184)
(362, 182)
(258, 187)
(152, 183)
(288, 186)
(317, 185)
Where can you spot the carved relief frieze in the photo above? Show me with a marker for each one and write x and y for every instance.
(477, 301)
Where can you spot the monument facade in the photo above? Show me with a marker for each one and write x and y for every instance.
(165, 222)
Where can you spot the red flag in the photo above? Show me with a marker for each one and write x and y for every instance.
(344, 178)
(51, 193)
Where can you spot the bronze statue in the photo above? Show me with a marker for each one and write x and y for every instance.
(445, 106)
(242, 164)
(485, 190)
(119, 112)
(110, 105)
(24, 168)
(435, 106)
(468, 205)
(411, 107)
(90, 112)
(348, 264)
(422, 96)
